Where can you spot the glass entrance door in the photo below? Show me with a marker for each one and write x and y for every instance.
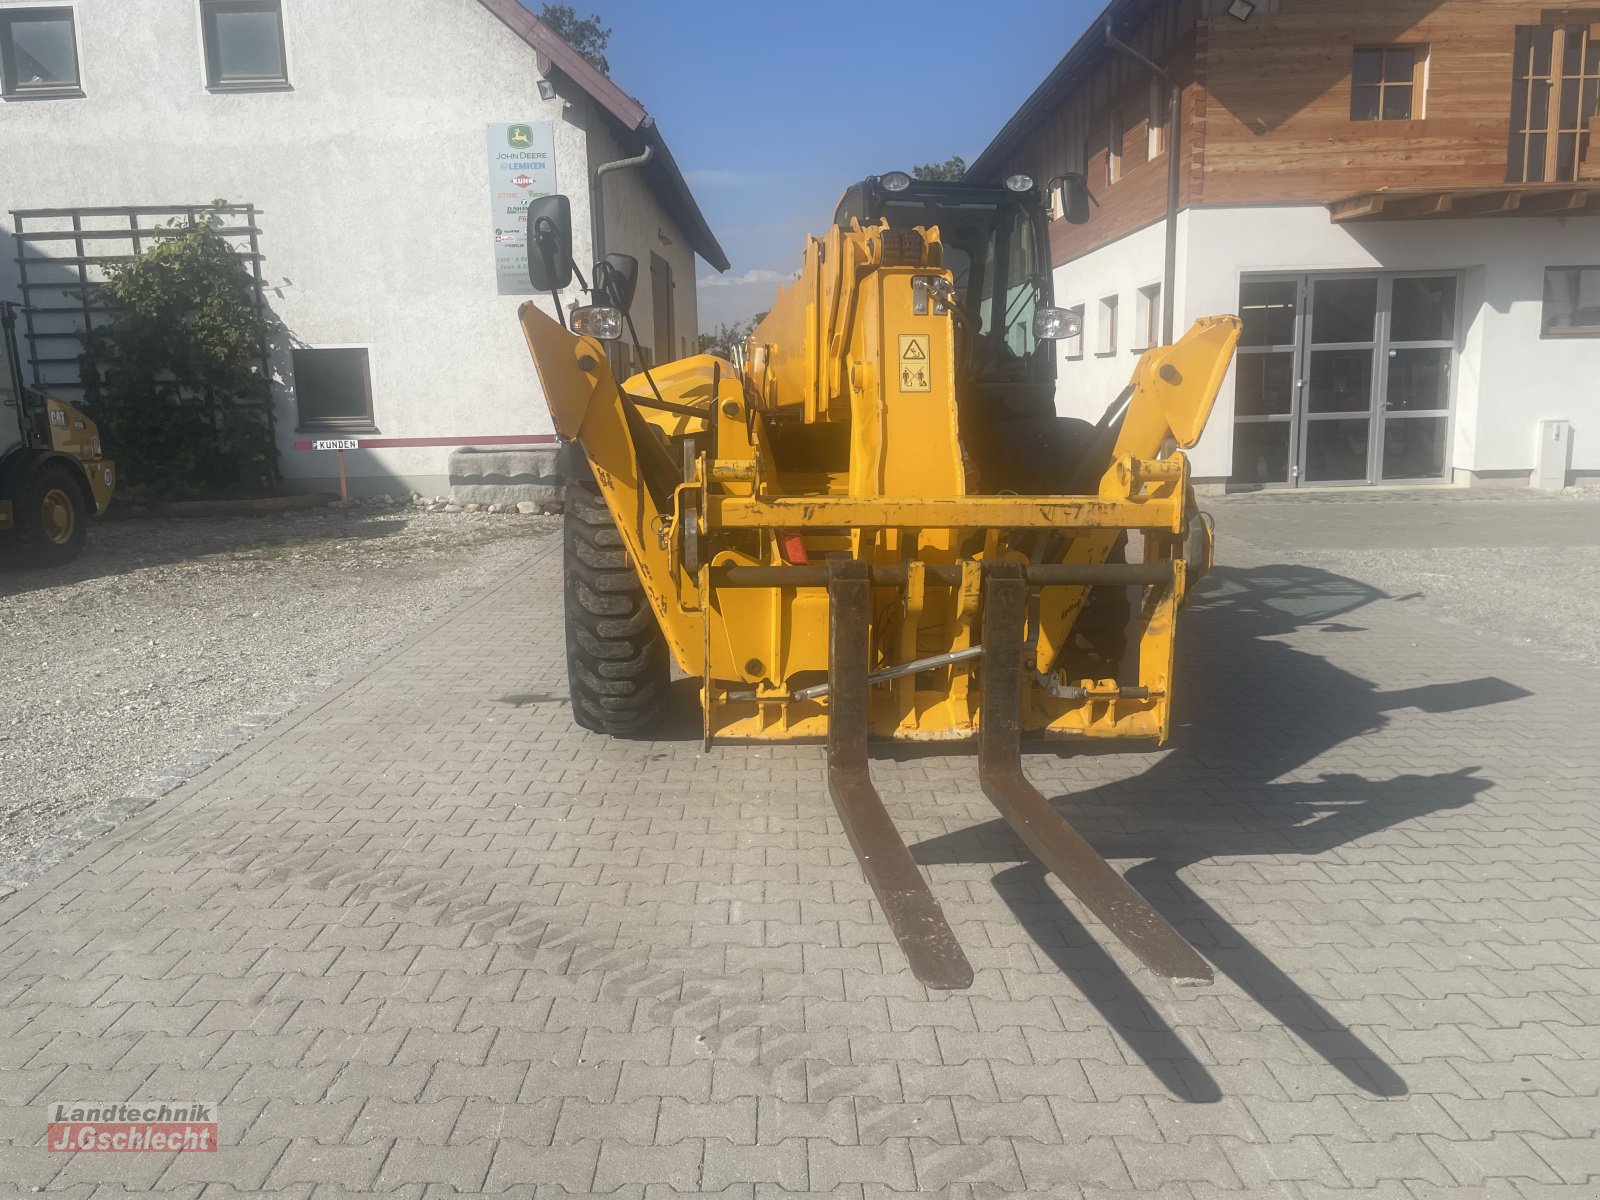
(1265, 406)
(1344, 379)
(1337, 398)
(1418, 370)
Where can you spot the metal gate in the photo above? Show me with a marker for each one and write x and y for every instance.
(62, 256)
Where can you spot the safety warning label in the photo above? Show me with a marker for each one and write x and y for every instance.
(914, 372)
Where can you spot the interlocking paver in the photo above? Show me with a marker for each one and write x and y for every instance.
(423, 936)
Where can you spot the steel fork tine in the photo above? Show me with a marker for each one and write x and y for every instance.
(1059, 846)
(914, 915)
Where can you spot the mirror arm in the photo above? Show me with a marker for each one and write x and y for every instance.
(633, 335)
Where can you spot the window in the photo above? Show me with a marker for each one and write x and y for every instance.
(1147, 318)
(1022, 289)
(1554, 84)
(1386, 83)
(244, 45)
(333, 388)
(1571, 302)
(1114, 149)
(1106, 327)
(1073, 346)
(38, 53)
(1157, 124)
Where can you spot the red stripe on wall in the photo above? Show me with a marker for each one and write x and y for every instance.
(493, 439)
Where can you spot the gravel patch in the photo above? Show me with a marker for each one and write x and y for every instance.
(171, 642)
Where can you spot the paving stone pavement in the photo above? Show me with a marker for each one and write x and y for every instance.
(425, 937)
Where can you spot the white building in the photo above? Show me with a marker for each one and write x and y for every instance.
(1421, 304)
(386, 148)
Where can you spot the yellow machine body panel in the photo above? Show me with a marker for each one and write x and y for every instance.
(72, 432)
(841, 436)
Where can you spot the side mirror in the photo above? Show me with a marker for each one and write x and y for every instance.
(549, 243)
(1075, 198)
(616, 279)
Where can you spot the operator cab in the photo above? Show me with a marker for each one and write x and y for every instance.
(997, 251)
(992, 240)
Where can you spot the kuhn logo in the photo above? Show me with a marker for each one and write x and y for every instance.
(523, 181)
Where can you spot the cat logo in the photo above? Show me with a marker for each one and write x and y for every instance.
(520, 137)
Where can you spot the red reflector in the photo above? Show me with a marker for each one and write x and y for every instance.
(792, 548)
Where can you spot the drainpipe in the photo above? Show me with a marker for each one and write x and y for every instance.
(597, 190)
(1170, 268)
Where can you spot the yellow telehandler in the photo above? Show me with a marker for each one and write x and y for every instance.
(53, 474)
(874, 523)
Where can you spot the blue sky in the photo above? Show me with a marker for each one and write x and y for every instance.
(771, 109)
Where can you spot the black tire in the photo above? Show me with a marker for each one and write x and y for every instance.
(618, 672)
(51, 515)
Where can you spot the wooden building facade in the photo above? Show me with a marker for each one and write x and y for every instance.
(1401, 197)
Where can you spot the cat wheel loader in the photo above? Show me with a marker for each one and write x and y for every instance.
(875, 525)
(52, 472)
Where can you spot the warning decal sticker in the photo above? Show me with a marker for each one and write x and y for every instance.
(914, 372)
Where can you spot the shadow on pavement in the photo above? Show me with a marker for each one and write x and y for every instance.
(1249, 710)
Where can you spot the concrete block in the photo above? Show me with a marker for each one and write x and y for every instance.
(509, 475)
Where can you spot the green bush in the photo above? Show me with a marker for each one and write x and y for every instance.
(175, 376)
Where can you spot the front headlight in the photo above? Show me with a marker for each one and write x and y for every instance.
(1054, 324)
(597, 321)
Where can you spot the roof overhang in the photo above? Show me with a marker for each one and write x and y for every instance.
(1074, 70)
(1512, 199)
(635, 127)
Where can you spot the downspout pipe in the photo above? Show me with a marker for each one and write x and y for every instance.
(1169, 280)
(597, 188)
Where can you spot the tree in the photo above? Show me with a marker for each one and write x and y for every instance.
(175, 375)
(949, 171)
(724, 338)
(587, 36)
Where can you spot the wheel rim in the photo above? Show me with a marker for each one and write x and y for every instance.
(60, 516)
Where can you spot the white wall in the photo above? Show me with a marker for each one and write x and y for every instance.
(1507, 377)
(371, 180)
(637, 225)
(1089, 383)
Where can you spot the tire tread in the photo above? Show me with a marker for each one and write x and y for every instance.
(618, 671)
